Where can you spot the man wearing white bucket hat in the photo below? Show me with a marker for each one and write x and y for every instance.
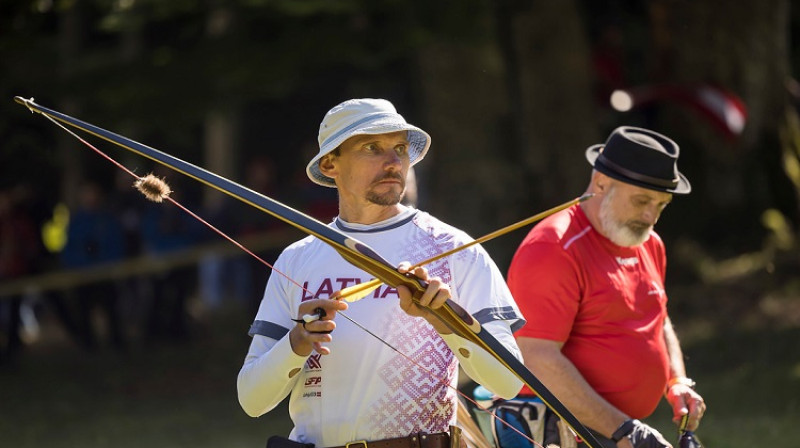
(363, 390)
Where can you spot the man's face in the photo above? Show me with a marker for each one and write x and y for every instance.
(372, 168)
(628, 213)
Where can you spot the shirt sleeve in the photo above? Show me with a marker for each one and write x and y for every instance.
(479, 287)
(545, 283)
(269, 372)
(271, 367)
(484, 368)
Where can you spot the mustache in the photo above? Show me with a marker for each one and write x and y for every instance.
(638, 225)
(395, 176)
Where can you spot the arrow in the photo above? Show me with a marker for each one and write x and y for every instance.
(357, 292)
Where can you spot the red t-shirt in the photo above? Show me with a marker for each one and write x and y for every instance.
(605, 302)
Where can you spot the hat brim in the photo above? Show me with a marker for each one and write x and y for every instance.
(418, 144)
(683, 187)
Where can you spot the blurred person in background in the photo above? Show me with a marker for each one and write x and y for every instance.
(239, 276)
(20, 251)
(95, 237)
(166, 229)
(590, 282)
(361, 390)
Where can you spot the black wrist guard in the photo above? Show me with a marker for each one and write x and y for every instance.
(624, 429)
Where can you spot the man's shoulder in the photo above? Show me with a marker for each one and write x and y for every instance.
(309, 243)
(438, 228)
(563, 228)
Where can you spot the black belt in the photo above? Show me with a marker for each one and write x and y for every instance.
(419, 440)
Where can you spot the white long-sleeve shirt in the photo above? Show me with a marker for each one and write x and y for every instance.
(364, 389)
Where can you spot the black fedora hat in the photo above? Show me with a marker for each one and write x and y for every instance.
(640, 157)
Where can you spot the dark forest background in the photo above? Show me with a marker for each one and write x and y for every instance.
(511, 91)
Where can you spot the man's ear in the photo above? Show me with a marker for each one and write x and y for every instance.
(600, 182)
(327, 166)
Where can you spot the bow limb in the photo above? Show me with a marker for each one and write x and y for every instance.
(352, 250)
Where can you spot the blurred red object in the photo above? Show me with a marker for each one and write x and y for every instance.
(722, 108)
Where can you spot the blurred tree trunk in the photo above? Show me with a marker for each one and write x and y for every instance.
(556, 119)
(131, 50)
(514, 145)
(465, 179)
(221, 124)
(221, 153)
(70, 41)
(469, 181)
(749, 45)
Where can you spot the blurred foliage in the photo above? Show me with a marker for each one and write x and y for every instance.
(501, 86)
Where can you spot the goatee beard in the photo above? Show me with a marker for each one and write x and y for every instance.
(390, 197)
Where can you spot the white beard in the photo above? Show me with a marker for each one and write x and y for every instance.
(620, 233)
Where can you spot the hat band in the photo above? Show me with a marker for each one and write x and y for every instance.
(636, 176)
(354, 125)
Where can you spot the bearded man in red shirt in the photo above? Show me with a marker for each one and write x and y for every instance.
(590, 281)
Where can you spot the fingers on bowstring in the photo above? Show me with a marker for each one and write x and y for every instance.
(319, 326)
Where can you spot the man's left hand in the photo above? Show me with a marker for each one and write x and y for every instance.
(684, 400)
(435, 296)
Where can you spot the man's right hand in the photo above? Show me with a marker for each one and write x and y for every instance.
(644, 436)
(436, 294)
(309, 336)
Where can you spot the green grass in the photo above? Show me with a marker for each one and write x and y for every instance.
(173, 395)
(751, 383)
(184, 395)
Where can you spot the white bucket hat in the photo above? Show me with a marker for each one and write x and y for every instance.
(364, 116)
